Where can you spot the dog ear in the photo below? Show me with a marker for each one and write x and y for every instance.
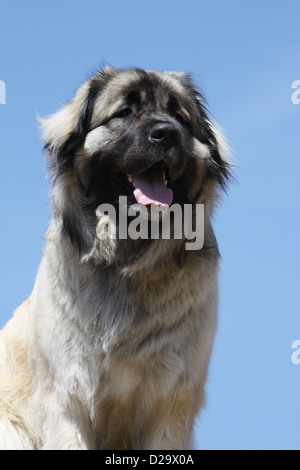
(76, 138)
(59, 130)
(209, 134)
(65, 131)
(220, 167)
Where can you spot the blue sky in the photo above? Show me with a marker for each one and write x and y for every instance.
(245, 57)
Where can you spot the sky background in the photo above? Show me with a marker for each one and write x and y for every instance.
(245, 57)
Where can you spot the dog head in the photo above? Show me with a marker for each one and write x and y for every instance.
(140, 134)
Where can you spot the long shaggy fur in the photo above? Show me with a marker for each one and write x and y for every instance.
(112, 348)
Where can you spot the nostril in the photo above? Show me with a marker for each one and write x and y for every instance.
(174, 136)
(164, 133)
(157, 134)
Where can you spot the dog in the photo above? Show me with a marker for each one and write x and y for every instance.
(111, 350)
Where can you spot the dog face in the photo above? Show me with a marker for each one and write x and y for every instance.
(141, 134)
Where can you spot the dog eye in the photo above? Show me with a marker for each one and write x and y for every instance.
(123, 113)
(181, 120)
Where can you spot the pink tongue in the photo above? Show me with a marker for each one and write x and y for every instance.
(151, 189)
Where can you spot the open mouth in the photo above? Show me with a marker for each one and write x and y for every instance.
(149, 187)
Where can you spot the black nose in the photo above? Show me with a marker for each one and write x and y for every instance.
(164, 133)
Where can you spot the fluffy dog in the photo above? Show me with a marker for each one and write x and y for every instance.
(112, 348)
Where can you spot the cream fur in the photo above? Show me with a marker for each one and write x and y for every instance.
(70, 382)
(110, 358)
